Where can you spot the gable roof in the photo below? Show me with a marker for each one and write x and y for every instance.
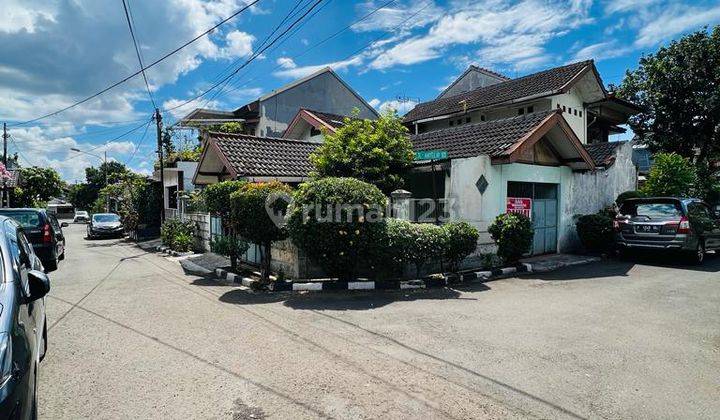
(473, 68)
(537, 85)
(603, 153)
(251, 156)
(504, 139)
(316, 119)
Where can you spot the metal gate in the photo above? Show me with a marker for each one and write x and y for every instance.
(544, 213)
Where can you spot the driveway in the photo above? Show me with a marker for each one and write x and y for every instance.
(132, 336)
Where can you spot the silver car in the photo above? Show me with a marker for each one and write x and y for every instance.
(686, 225)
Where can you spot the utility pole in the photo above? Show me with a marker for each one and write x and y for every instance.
(158, 123)
(107, 196)
(3, 198)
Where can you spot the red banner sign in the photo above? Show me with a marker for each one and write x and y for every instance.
(519, 205)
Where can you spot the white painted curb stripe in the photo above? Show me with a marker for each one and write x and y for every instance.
(307, 286)
(361, 285)
(508, 270)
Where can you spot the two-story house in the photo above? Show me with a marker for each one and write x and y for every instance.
(538, 141)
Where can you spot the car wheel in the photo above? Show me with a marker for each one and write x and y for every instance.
(698, 256)
(62, 256)
(624, 253)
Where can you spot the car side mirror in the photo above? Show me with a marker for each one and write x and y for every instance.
(39, 284)
(64, 224)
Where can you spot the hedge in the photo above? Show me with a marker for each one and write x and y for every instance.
(595, 231)
(513, 234)
(461, 241)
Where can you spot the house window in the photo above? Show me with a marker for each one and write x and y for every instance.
(314, 132)
(521, 111)
(581, 114)
(564, 109)
(575, 110)
(530, 109)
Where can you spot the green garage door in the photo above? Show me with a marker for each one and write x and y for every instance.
(544, 213)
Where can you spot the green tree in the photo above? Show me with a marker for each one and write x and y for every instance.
(251, 207)
(378, 152)
(670, 176)
(81, 196)
(678, 88)
(37, 186)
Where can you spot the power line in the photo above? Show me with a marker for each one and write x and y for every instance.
(95, 95)
(319, 43)
(248, 61)
(139, 142)
(19, 152)
(134, 129)
(137, 51)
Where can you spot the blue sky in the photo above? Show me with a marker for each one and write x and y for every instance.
(55, 52)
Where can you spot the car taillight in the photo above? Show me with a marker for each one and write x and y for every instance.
(684, 226)
(47, 236)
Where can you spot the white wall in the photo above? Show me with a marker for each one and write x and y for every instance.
(490, 114)
(578, 192)
(573, 101)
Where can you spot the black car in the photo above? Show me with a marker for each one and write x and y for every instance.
(105, 225)
(686, 225)
(23, 326)
(45, 234)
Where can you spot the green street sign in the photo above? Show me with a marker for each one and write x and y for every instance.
(431, 155)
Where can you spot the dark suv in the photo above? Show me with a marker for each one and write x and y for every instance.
(23, 326)
(666, 223)
(44, 232)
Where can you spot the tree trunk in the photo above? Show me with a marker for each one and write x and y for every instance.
(265, 262)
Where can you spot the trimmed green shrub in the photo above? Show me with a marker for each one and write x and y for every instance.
(461, 241)
(595, 231)
(174, 233)
(628, 194)
(251, 220)
(416, 243)
(671, 175)
(338, 223)
(217, 196)
(229, 246)
(513, 234)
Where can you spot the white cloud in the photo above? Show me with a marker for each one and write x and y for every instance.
(401, 107)
(615, 6)
(298, 72)
(507, 33)
(601, 51)
(374, 102)
(393, 15)
(673, 21)
(286, 62)
(239, 44)
(17, 16)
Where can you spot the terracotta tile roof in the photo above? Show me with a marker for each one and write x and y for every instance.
(603, 154)
(333, 120)
(544, 82)
(265, 156)
(492, 138)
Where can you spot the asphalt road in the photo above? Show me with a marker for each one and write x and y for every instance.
(132, 336)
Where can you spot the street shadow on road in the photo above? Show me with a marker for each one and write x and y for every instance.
(340, 300)
(617, 267)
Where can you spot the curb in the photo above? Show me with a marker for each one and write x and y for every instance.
(167, 251)
(433, 281)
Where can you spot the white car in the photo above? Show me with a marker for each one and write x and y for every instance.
(81, 217)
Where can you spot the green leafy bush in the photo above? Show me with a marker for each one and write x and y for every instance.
(513, 234)
(337, 222)
(175, 233)
(250, 216)
(595, 231)
(217, 196)
(461, 241)
(415, 243)
(229, 246)
(628, 194)
(670, 176)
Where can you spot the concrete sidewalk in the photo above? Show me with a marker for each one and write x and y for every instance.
(545, 263)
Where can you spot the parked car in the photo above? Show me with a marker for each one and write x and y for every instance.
(665, 223)
(44, 232)
(105, 225)
(81, 217)
(23, 326)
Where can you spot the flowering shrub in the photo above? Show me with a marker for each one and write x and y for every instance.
(338, 223)
(513, 234)
(461, 241)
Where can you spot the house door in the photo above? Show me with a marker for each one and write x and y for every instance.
(544, 213)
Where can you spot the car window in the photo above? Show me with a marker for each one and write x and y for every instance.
(652, 210)
(19, 256)
(54, 223)
(26, 218)
(103, 218)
